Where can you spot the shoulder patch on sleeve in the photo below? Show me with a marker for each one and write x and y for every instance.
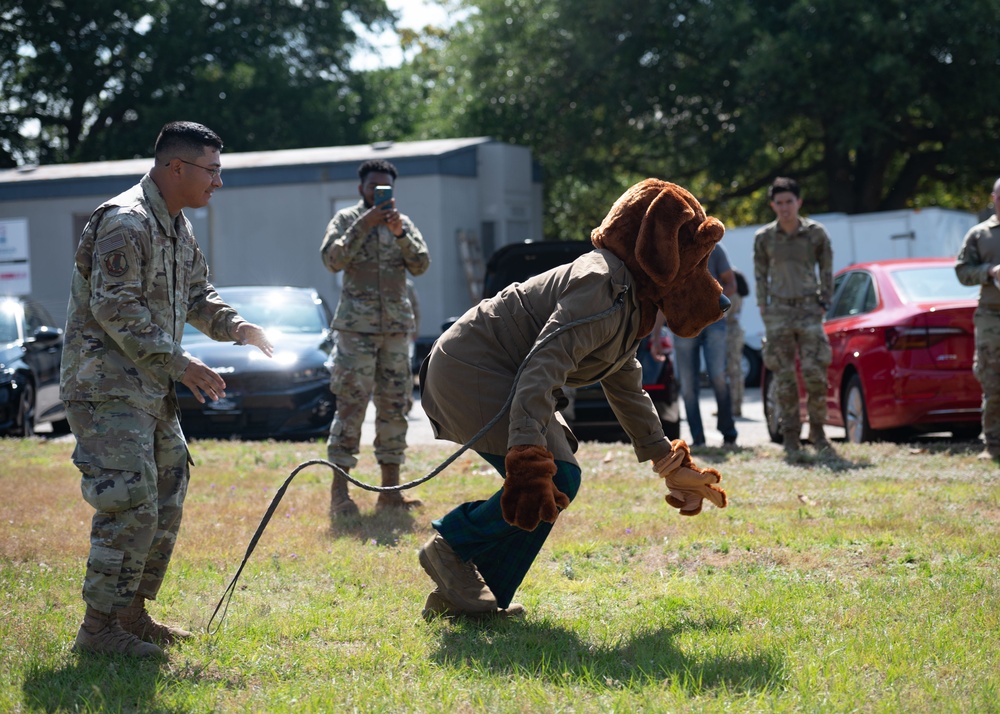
(115, 263)
(116, 254)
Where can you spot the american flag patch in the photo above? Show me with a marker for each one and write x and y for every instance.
(111, 242)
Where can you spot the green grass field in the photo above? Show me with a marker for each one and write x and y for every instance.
(864, 583)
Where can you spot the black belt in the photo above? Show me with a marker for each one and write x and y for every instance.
(793, 302)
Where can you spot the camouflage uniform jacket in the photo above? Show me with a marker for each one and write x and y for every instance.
(374, 296)
(980, 252)
(785, 265)
(138, 277)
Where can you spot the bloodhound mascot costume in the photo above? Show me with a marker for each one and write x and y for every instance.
(650, 253)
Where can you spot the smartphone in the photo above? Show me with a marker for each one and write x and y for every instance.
(382, 196)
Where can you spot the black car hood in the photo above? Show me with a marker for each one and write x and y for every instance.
(290, 352)
(11, 354)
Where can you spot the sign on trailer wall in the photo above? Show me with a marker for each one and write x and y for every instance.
(15, 266)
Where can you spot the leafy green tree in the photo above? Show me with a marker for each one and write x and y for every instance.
(97, 78)
(401, 101)
(872, 106)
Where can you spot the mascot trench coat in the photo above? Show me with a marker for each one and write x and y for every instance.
(470, 371)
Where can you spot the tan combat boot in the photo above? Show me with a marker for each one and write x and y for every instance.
(458, 581)
(818, 438)
(394, 499)
(135, 620)
(100, 633)
(792, 444)
(341, 504)
(990, 453)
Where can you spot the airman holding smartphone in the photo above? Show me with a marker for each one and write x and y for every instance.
(376, 246)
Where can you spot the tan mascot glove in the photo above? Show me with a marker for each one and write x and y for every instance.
(529, 494)
(687, 484)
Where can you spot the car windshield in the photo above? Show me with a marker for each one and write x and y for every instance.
(286, 311)
(937, 282)
(8, 323)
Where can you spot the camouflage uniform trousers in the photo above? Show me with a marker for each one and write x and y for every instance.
(135, 474)
(735, 336)
(987, 324)
(798, 330)
(370, 366)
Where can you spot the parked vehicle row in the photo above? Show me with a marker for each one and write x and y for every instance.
(30, 355)
(901, 334)
(287, 396)
(903, 344)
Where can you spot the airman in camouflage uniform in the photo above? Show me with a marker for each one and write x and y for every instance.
(793, 269)
(374, 246)
(138, 277)
(978, 263)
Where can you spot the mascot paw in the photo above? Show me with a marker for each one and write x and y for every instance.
(529, 494)
(688, 485)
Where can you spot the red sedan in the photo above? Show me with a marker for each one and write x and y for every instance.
(903, 342)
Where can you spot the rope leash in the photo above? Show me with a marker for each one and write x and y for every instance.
(227, 595)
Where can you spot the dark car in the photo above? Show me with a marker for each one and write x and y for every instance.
(30, 354)
(284, 397)
(903, 343)
(588, 413)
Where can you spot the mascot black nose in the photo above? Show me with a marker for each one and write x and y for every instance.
(724, 303)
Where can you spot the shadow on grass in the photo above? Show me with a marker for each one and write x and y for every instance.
(808, 457)
(378, 528)
(519, 647)
(93, 683)
(933, 445)
(828, 459)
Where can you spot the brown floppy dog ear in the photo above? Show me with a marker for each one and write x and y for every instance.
(693, 300)
(658, 245)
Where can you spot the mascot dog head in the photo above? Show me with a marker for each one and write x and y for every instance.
(661, 233)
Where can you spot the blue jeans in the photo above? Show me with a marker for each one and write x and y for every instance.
(651, 368)
(712, 341)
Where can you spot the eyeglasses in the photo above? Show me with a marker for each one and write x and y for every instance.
(214, 173)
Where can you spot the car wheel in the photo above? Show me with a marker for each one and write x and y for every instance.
(966, 432)
(750, 364)
(855, 413)
(25, 424)
(772, 414)
(60, 427)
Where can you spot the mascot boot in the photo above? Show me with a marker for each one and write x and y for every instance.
(101, 633)
(341, 504)
(394, 499)
(438, 605)
(457, 580)
(135, 620)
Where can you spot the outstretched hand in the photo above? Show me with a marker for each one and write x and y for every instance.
(249, 334)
